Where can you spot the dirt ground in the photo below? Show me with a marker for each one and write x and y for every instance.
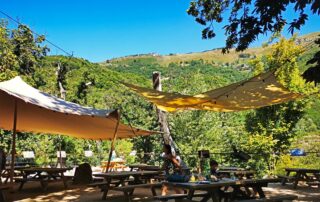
(32, 192)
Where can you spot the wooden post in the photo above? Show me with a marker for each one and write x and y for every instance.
(14, 134)
(113, 141)
(60, 156)
(60, 77)
(162, 117)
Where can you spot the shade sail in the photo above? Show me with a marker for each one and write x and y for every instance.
(43, 113)
(259, 91)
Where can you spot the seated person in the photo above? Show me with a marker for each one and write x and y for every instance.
(175, 169)
(214, 169)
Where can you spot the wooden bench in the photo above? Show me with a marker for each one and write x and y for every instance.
(272, 199)
(100, 184)
(105, 183)
(129, 189)
(285, 179)
(178, 197)
(22, 181)
(314, 183)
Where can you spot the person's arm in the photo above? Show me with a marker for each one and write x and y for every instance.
(164, 165)
(175, 162)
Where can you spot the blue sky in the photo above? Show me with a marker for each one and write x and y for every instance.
(102, 29)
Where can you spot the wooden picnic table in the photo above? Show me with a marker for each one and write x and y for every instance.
(43, 175)
(5, 173)
(140, 177)
(230, 168)
(240, 174)
(146, 167)
(214, 191)
(113, 166)
(301, 174)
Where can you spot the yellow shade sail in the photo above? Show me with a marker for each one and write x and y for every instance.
(259, 91)
(43, 113)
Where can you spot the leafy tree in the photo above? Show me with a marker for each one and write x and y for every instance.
(27, 48)
(277, 122)
(250, 18)
(312, 74)
(8, 60)
(247, 19)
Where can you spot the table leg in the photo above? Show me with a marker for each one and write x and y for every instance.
(24, 179)
(260, 191)
(21, 185)
(215, 196)
(127, 196)
(43, 182)
(153, 190)
(106, 189)
(284, 180)
(296, 180)
(190, 194)
(64, 180)
(206, 198)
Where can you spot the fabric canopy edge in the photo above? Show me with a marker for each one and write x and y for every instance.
(111, 115)
(174, 102)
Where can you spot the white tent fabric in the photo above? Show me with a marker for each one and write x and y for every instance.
(42, 113)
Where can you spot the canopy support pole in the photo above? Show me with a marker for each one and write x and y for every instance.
(113, 140)
(14, 134)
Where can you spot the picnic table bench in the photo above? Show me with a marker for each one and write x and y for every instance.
(214, 191)
(178, 197)
(42, 175)
(310, 176)
(5, 173)
(129, 189)
(142, 179)
(272, 199)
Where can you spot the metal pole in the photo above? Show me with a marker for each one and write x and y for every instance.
(14, 133)
(113, 140)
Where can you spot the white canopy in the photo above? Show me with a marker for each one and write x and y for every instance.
(43, 113)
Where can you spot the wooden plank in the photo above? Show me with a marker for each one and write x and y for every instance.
(304, 170)
(133, 186)
(178, 196)
(272, 199)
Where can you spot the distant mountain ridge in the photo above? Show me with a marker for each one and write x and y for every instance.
(210, 56)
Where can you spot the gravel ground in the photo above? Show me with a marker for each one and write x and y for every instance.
(32, 192)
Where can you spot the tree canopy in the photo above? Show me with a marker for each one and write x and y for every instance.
(247, 19)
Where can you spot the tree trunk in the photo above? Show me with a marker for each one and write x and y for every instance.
(60, 80)
(162, 116)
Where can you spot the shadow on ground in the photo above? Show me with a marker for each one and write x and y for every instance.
(32, 192)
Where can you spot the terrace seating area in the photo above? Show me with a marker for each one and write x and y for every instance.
(142, 192)
(140, 182)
